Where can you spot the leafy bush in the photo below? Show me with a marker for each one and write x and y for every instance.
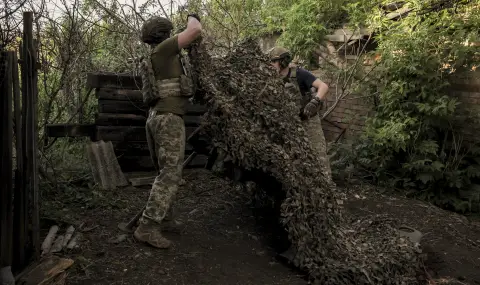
(304, 23)
(412, 141)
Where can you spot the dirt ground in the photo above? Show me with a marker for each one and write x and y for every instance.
(222, 244)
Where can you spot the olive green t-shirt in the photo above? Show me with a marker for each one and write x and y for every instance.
(166, 64)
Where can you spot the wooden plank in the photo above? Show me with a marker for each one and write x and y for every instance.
(20, 207)
(108, 119)
(119, 134)
(121, 107)
(138, 108)
(46, 271)
(25, 175)
(70, 130)
(127, 134)
(119, 94)
(114, 80)
(6, 152)
(32, 94)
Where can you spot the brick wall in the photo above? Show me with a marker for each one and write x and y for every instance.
(348, 118)
(467, 90)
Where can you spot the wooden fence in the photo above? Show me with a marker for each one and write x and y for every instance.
(121, 119)
(19, 195)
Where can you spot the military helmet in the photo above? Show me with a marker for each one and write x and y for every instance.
(281, 54)
(278, 53)
(155, 30)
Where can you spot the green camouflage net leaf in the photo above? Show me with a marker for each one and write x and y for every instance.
(254, 120)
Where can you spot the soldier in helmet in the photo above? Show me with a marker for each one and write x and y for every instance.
(302, 82)
(166, 90)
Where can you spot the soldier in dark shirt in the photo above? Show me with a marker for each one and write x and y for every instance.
(302, 81)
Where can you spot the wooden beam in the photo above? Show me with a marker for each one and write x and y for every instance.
(127, 134)
(70, 130)
(139, 108)
(6, 155)
(114, 80)
(109, 119)
(20, 207)
(119, 94)
(121, 107)
(121, 133)
(30, 99)
(46, 270)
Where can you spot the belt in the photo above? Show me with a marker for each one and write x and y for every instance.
(153, 113)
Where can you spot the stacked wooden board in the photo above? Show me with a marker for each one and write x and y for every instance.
(121, 119)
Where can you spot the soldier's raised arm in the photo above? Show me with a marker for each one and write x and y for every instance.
(191, 33)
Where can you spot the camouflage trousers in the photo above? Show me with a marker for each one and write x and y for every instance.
(313, 127)
(166, 142)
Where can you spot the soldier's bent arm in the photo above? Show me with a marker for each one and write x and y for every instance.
(322, 88)
(307, 80)
(191, 33)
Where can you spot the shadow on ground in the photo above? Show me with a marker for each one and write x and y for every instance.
(221, 243)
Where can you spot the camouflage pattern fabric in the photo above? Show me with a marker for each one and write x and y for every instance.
(333, 246)
(313, 126)
(166, 141)
(149, 86)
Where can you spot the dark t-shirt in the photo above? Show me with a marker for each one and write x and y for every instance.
(166, 64)
(305, 80)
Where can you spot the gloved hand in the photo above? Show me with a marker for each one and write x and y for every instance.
(313, 106)
(194, 16)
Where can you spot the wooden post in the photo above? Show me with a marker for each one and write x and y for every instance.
(29, 93)
(20, 214)
(6, 179)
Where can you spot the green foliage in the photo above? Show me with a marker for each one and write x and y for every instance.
(412, 141)
(225, 22)
(304, 23)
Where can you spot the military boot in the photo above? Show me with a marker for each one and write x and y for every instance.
(149, 232)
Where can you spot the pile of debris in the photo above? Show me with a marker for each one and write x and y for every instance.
(254, 120)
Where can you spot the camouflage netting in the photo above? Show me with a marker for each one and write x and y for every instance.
(254, 120)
